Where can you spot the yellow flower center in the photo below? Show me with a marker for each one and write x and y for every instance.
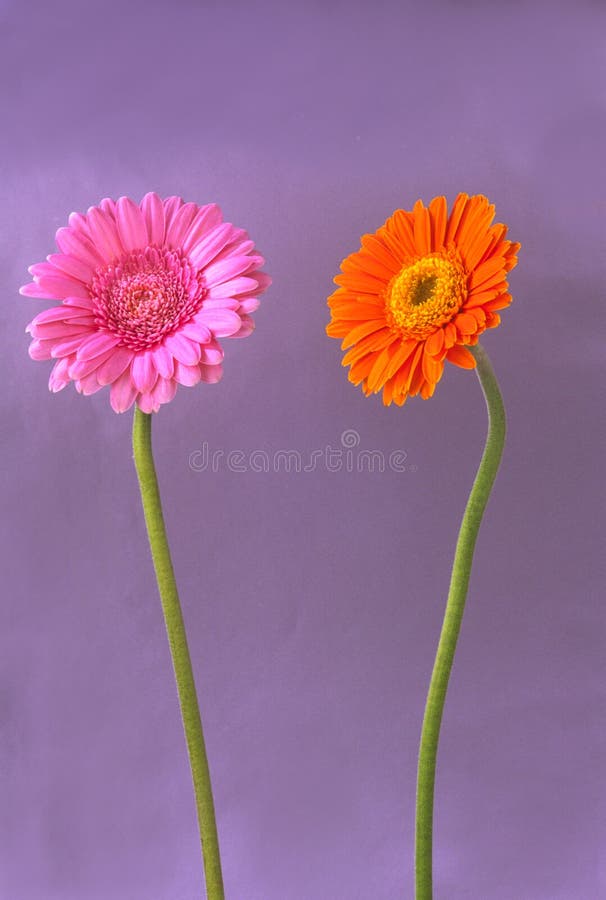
(426, 294)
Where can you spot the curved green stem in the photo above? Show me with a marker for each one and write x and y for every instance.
(177, 639)
(455, 606)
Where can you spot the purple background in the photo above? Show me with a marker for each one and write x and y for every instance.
(313, 600)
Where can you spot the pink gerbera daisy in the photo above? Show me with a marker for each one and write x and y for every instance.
(145, 291)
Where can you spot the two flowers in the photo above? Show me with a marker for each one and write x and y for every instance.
(146, 293)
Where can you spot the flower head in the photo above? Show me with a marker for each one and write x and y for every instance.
(418, 292)
(146, 292)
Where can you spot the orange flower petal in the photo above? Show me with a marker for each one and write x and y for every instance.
(367, 345)
(364, 264)
(511, 258)
(439, 216)
(487, 272)
(395, 246)
(500, 302)
(428, 389)
(432, 368)
(360, 281)
(417, 378)
(458, 208)
(450, 335)
(498, 233)
(362, 310)
(475, 223)
(435, 342)
(422, 229)
(359, 370)
(338, 328)
(400, 225)
(380, 263)
(378, 249)
(479, 297)
(466, 323)
(461, 356)
(477, 247)
(415, 366)
(377, 375)
(403, 353)
(361, 331)
(478, 314)
(388, 392)
(402, 378)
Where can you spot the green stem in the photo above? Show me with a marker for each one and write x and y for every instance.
(177, 639)
(455, 606)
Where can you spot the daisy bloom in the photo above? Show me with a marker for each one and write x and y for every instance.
(145, 293)
(418, 292)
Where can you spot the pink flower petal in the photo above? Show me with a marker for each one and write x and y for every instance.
(80, 368)
(187, 375)
(153, 213)
(163, 361)
(122, 393)
(222, 322)
(117, 361)
(221, 303)
(49, 330)
(39, 350)
(197, 332)
(34, 290)
(263, 281)
(64, 348)
(212, 354)
(147, 403)
(171, 207)
(85, 320)
(248, 304)
(104, 234)
(230, 267)
(109, 208)
(72, 265)
(180, 225)
(59, 286)
(238, 247)
(184, 350)
(206, 219)
(211, 374)
(248, 326)
(88, 385)
(207, 248)
(79, 302)
(58, 376)
(77, 223)
(97, 344)
(75, 243)
(57, 314)
(131, 225)
(238, 235)
(43, 268)
(143, 371)
(240, 285)
(164, 391)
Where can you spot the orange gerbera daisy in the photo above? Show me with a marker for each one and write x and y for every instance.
(418, 290)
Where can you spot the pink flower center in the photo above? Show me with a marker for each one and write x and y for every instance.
(147, 295)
